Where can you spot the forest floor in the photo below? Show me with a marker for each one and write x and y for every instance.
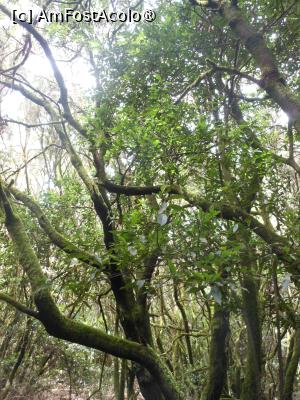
(62, 393)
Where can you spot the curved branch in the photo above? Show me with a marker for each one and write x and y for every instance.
(5, 121)
(117, 280)
(132, 190)
(57, 74)
(56, 237)
(59, 326)
(279, 244)
(32, 158)
(194, 84)
(20, 307)
(233, 71)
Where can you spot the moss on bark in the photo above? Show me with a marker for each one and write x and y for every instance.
(292, 365)
(218, 354)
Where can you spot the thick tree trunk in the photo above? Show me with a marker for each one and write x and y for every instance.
(147, 383)
(130, 384)
(237, 384)
(149, 388)
(252, 382)
(218, 354)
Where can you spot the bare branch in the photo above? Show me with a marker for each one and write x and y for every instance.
(194, 84)
(20, 307)
(5, 121)
(33, 158)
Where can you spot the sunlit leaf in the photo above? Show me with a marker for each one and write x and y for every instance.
(162, 219)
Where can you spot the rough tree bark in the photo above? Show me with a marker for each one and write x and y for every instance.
(218, 354)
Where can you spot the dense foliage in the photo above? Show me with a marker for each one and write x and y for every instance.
(149, 202)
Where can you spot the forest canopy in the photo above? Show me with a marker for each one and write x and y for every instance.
(149, 199)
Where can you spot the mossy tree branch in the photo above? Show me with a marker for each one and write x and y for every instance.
(279, 244)
(272, 81)
(56, 237)
(124, 297)
(62, 327)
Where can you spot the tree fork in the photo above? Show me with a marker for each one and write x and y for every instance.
(57, 325)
